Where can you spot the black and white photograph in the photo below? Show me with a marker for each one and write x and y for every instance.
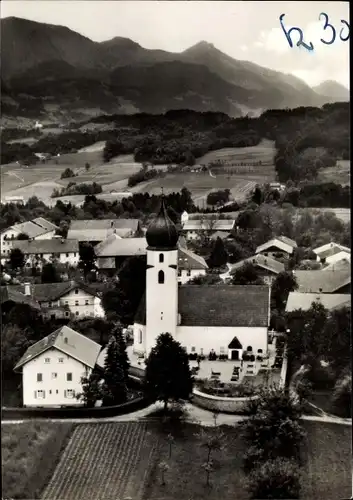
(175, 231)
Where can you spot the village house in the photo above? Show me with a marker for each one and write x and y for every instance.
(279, 247)
(322, 281)
(113, 251)
(37, 229)
(208, 224)
(39, 252)
(67, 299)
(332, 253)
(53, 367)
(303, 301)
(201, 318)
(96, 230)
(267, 267)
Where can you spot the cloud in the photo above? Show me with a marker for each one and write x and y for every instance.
(244, 48)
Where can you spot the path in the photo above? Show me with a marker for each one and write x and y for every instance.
(195, 415)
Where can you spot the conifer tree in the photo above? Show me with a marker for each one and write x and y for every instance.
(115, 381)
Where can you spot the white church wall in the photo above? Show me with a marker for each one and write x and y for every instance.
(205, 338)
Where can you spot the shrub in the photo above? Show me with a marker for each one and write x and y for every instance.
(277, 479)
(67, 174)
(342, 396)
(321, 377)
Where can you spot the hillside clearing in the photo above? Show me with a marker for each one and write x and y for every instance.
(30, 452)
(264, 151)
(340, 173)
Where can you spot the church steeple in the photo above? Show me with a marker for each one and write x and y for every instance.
(162, 233)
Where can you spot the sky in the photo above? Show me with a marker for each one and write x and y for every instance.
(244, 30)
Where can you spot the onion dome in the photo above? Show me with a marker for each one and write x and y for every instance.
(162, 233)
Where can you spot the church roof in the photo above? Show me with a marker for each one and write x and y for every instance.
(162, 233)
(219, 305)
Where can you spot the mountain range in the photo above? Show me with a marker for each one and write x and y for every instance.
(50, 71)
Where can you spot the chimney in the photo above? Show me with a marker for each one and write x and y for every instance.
(27, 289)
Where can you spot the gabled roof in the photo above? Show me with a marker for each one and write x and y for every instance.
(341, 265)
(329, 252)
(262, 261)
(93, 224)
(322, 281)
(9, 294)
(115, 246)
(220, 234)
(45, 224)
(48, 292)
(235, 344)
(208, 225)
(281, 242)
(189, 260)
(330, 249)
(28, 227)
(297, 300)
(54, 245)
(69, 342)
(96, 234)
(219, 305)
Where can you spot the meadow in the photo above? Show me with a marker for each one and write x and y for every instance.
(340, 173)
(30, 452)
(122, 460)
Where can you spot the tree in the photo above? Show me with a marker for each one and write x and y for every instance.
(168, 375)
(257, 196)
(342, 396)
(14, 343)
(17, 259)
(50, 274)
(212, 440)
(337, 331)
(163, 467)
(87, 166)
(273, 428)
(284, 283)
(91, 389)
(22, 237)
(67, 173)
(247, 274)
(278, 478)
(122, 356)
(115, 381)
(206, 279)
(87, 258)
(208, 468)
(219, 256)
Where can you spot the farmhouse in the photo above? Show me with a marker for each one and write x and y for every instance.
(42, 230)
(67, 299)
(193, 228)
(330, 301)
(52, 368)
(201, 318)
(279, 247)
(332, 253)
(322, 281)
(97, 230)
(39, 252)
(111, 252)
(267, 267)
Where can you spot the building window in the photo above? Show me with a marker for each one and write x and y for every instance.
(61, 360)
(57, 391)
(47, 360)
(54, 375)
(140, 336)
(77, 313)
(66, 302)
(189, 272)
(76, 302)
(249, 348)
(40, 394)
(259, 351)
(161, 277)
(67, 255)
(86, 302)
(49, 391)
(201, 351)
(69, 377)
(69, 393)
(66, 340)
(67, 313)
(193, 349)
(179, 272)
(49, 304)
(39, 377)
(76, 292)
(161, 257)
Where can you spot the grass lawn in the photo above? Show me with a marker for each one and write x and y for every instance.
(30, 452)
(328, 473)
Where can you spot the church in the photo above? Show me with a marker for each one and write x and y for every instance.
(225, 319)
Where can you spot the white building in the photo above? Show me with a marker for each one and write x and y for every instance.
(97, 230)
(67, 299)
(331, 253)
(39, 252)
(279, 247)
(52, 368)
(37, 229)
(206, 224)
(201, 318)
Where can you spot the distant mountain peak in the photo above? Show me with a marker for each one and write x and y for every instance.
(121, 42)
(201, 46)
(330, 88)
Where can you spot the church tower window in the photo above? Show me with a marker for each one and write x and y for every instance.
(161, 277)
(161, 257)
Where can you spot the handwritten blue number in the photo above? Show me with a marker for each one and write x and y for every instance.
(289, 38)
(349, 31)
(328, 25)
